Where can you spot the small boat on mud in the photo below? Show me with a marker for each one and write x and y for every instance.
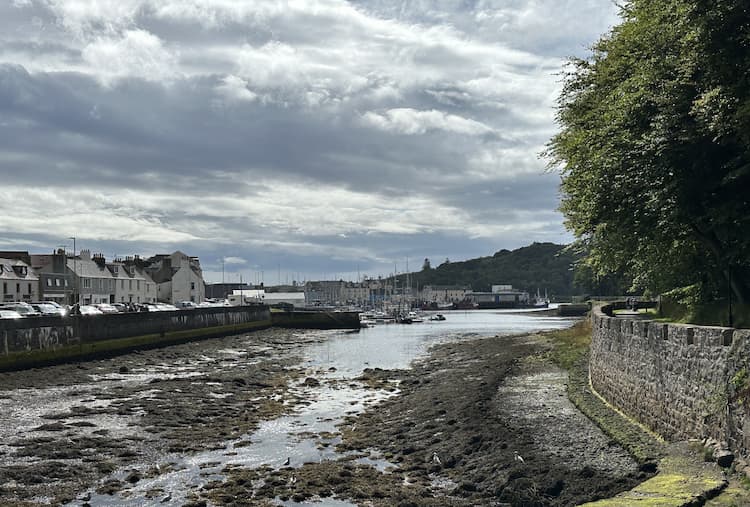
(437, 317)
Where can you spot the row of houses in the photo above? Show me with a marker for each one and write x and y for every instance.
(88, 279)
(375, 291)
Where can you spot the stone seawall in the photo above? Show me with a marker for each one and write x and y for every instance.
(43, 340)
(316, 320)
(682, 381)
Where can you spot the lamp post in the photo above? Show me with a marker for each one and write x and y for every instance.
(75, 292)
(64, 249)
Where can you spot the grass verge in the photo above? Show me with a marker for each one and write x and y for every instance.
(570, 348)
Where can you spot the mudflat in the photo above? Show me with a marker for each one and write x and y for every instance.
(483, 422)
(476, 422)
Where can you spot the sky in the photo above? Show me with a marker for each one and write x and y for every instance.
(286, 140)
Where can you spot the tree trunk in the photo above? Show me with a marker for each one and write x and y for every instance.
(739, 288)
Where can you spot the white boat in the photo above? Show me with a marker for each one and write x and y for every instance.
(414, 317)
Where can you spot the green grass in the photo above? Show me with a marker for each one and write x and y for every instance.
(570, 344)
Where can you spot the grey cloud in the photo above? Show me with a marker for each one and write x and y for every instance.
(212, 160)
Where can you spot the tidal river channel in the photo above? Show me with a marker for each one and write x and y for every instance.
(431, 413)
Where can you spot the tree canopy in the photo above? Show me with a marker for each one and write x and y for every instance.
(654, 147)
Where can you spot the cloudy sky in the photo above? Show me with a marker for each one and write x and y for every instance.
(311, 137)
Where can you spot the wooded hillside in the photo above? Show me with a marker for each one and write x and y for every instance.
(537, 266)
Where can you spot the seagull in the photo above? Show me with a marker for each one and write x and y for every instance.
(286, 463)
(354, 427)
(293, 480)
(435, 458)
(517, 457)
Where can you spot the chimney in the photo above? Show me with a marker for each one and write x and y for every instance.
(99, 259)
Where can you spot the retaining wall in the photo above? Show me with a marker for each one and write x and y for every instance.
(316, 320)
(43, 340)
(682, 381)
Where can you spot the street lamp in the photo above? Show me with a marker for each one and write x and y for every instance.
(75, 274)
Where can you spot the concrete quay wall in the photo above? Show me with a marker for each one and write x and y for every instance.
(682, 381)
(44, 340)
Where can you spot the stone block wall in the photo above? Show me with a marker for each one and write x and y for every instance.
(682, 381)
(41, 340)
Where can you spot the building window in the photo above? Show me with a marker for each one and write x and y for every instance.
(29, 290)
(138, 285)
(5, 287)
(18, 288)
(130, 284)
(58, 282)
(192, 285)
(87, 283)
(66, 282)
(49, 282)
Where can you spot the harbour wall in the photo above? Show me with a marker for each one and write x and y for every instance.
(316, 319)
(681, 381)
(38, 341)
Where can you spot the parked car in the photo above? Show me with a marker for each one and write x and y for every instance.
(105, 308)
(89, 310)
(165, 307)
(186, 305)
(9, 314)
(25, 309)
(47, 309)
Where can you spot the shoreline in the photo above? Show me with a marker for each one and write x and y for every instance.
(451, 436)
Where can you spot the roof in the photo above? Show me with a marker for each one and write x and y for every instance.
(88, 269)
(8, 273)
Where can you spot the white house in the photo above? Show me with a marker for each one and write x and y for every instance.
(178, 277)
(19, 281)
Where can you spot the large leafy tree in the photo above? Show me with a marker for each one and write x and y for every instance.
(654, 146)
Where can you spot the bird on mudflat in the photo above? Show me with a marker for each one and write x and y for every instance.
(517, 457)
(286, 463)
(436, 458)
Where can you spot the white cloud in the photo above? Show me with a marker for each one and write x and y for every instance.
(234, 260)
(235, 88)
(413, 122)
(137, 53)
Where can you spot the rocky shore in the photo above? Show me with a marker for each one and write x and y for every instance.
(476, 422)
(484, 422)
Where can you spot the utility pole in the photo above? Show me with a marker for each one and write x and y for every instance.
(75, 274)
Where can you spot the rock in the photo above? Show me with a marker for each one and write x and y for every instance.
(133, 477)
(724, 458)
(124, 369)
(649, 467)
(311, 382)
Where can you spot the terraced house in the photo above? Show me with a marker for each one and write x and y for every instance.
(18, 281)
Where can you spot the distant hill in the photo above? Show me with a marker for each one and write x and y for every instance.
(537, 266)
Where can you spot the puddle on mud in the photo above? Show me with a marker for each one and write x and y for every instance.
(309, 434)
